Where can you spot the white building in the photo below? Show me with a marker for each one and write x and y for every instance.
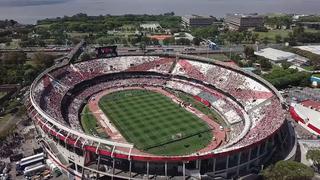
(315, 49)
(150, 26)
(278, 56)
(183, 35)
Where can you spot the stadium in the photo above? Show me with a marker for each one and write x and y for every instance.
(157, 116)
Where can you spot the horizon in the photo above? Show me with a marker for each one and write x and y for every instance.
(29, 11)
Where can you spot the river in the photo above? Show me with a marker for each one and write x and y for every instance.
(29, 11)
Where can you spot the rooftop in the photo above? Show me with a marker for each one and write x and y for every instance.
(315, 49)
(244, 15)
(275, 54)
(311, 104)
(194, 16)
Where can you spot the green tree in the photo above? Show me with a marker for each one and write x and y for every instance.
(248, 51)
(196, 41)
(278, 38)
(285, 65)
(266, 40)
(14, 58)
(42, 60)
(85, 57)
(265, 63)
(183, 41)
(169, 41)
(205, 32)
(289, 170)
(314, 155)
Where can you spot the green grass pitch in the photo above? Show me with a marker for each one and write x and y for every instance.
(155, 124)
(90, 125)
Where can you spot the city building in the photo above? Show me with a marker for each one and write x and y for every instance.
(278, 56)
(150, 26)
(198, 21)
(310, 25)
(243, 21)
(183, 35)
(315, 49)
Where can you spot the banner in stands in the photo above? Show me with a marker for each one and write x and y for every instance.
(107, 51)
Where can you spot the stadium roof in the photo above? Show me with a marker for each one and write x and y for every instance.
(275, 54)
(308, 117)
(313, 49)
(311, 104)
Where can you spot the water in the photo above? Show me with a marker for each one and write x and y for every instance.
(28, 11)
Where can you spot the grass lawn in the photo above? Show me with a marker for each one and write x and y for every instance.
(272, 33)
(2, 94)
(155, 124)
(309, 68)
(7, 125)
(201, 107)
(90, 125)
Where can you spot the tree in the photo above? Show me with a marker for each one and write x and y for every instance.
(285, 65)
(291, 39)
(248, 51)
(142, 46)
(205, 32)
(264, 63)
(146, 40)
(196, 41)
(85, 57)
(155, 42)
(168, 41)
(289, 170)
(254, 37)
(183, 41)
(266, 40)
(278, 38)
(42, 60)
(14, 58)
(282, 78)
(314, 155)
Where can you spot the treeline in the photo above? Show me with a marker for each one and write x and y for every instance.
(283, 78)
(15, 68)
(309, 19)
(84, 23)
(7, 35)
(7, 23)
(279, 21)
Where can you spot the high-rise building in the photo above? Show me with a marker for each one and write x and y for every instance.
(243, 21)
(198, 21)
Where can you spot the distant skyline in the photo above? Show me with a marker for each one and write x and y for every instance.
(28, 11)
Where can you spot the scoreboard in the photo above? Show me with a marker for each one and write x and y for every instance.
(106, 51)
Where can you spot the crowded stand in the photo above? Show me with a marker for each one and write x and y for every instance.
(244, 89)
(272, 118)
(160, 65)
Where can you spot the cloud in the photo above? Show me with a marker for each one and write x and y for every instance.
(21, 3)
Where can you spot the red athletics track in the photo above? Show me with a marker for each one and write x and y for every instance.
(93, 105)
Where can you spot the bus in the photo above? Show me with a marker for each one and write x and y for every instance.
(21, 166)
(31, 157)
(34, 170)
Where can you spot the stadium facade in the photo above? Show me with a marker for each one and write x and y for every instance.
(253, 109)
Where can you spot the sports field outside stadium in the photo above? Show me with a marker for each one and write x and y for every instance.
(154, 123)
